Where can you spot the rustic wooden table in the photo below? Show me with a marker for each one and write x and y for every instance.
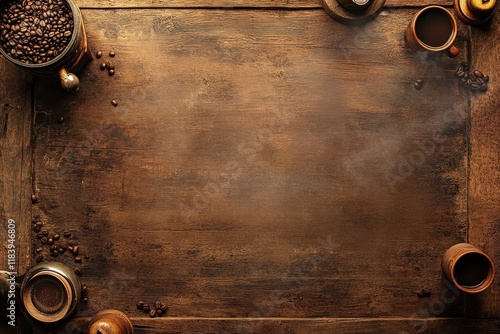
(267, 169)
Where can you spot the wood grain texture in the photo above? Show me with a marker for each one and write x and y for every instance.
(272, 4)
(257, 165)
(282, 326)
(484, 178)
(16, 124)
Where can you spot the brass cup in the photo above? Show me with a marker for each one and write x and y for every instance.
(110, 322)
(50, 292)
(469, 268)
(415, 41)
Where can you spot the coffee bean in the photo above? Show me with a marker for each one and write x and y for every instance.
(484, 87)
(420, 295)
(69, 248)
(34, 198)
(39, 258)
(39, 224)
(417, 86)
(78, 271)
(159, 312)
(38, 250)
(114, 102)
(39, 235)
(112, 54)
(140, 305)
(111, 72)
(145, 307)
(45, 26)
(50, 241)
(53, 248)
(486, 78)
(426, 292)
(43, 240)
(478, 73)
(98, 54)
(78, 259)
(164, 309)
(67, 234)
(36, 229)
(152, 313)
(45, 232)
(85, 299)
(103, 66)
(56, 237)
(61, 250)
(55, 253)
(157, 305)
(60, 120)
(75, 250)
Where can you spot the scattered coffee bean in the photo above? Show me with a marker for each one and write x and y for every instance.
(36, 229)
(111, 72)
(39, 250)
(103, 66)
(67, 234)
(43, 240)
(145, 307)
(69, 248)
(114, 103)
(55, 253)
(474, 80)
(140, 305)
(34, 198)
(159, 312)
(56, 237)
(152, 313)
(61, 250)
(98, 54)
(53, 248)
(75, 250)
(78, 259)
(45, 232)
(39, 224)
(85, 299)
(108, 64)
(39, 258)
(39, 235)
(78, 271)
(164, 309)
(35, 31)
(50, 241)
(158, 305)
(60, 120)
(112, 54)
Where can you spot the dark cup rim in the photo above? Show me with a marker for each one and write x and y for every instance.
(453, 33)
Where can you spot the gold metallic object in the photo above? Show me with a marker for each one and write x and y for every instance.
(475, 12)
(110, 322)
(355, 4)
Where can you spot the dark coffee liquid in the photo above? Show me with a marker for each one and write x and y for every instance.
(471, 270)
(48, 294)
(434, 27)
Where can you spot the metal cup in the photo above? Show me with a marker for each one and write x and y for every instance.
(71, 59)
(110, 322)
(468, 267)
(354, 4)
(50, 292)
(433, 29)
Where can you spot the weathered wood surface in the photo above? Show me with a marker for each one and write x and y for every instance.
(283, 326)
(272, 4)
(484, 178)
(259, 164)
(15, 163)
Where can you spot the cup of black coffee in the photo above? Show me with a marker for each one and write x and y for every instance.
(433, 29)
(469, 268)
(44, 37)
